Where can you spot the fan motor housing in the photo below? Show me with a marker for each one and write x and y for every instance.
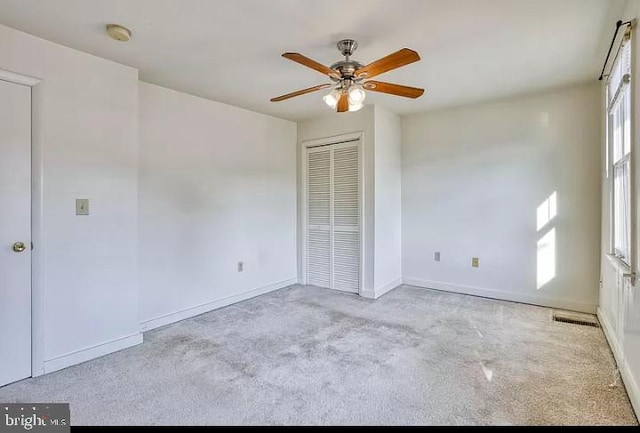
(347, 69)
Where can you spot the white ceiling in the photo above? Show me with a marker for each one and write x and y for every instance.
(229, 50)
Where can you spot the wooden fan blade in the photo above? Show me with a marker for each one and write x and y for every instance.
(393, 61)
(301, 92)
(393, 89)
(343, 103)
(305, 61)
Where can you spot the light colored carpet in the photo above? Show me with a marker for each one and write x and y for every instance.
(304, 355)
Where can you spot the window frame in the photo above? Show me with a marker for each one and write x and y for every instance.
(622, 99)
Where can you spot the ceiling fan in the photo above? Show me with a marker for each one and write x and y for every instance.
(351, 78)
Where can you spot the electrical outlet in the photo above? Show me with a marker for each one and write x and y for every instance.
(240, 266)
(437, 256)
(475, 262)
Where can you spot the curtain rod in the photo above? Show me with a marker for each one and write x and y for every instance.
(613, 41)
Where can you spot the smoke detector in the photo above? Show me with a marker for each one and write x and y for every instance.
(118, 32)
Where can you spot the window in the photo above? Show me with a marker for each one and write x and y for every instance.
(619, 109)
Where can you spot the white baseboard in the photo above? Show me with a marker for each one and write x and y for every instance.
(610, 336)
(189, 312)
(633, 391)
(388, 287)
(630, 384)
(369, 294)
(89, 353)
(505, 296)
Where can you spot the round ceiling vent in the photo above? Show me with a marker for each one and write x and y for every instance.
(118, 32)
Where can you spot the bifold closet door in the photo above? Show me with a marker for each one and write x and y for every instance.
(334, 215)
(319, 217)
(346, 217)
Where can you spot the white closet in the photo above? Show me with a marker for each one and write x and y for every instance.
(334, 216)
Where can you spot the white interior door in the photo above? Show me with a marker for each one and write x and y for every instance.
(15, 232)
(334, 216)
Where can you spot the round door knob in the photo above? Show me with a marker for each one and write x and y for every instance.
(19, 247)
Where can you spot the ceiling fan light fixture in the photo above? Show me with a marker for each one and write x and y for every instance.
(332, 98)
(356, 96)
(330, 101)
(348, 76)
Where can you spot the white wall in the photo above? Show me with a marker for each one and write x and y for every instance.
(339, 124)
(85, 123)
(217, 186)
(473, 179)
(619, 308)
(388, 201)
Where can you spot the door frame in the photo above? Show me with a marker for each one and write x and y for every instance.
(37, 168)
(328, 141)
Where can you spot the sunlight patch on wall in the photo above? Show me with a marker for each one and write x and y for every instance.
(546, 213)
(547, 258)
(548, 210)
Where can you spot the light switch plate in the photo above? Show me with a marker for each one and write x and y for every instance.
(475, 262)
(82, 206)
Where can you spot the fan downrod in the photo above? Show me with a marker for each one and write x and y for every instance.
(347, 67)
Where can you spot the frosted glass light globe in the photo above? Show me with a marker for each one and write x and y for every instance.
(332, 98)
(357, 95)
(355, 107)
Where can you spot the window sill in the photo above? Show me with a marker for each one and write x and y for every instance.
(620, 266)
